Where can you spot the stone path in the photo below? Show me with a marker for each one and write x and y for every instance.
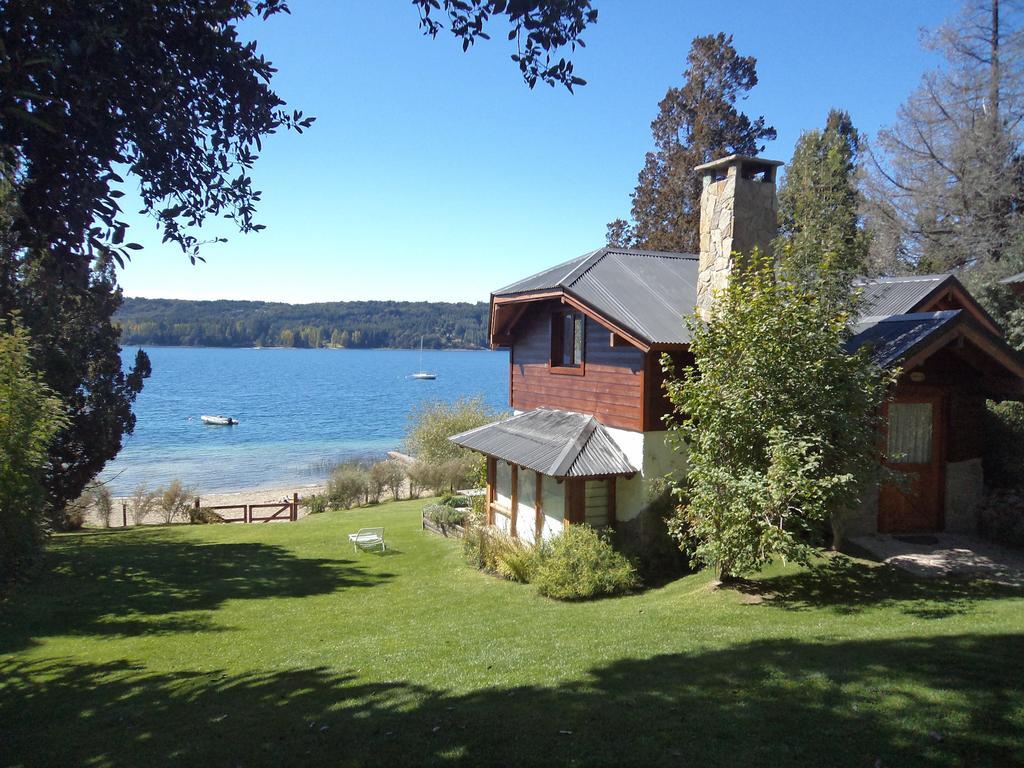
(947, 554)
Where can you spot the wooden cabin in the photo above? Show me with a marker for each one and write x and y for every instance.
(587, 443)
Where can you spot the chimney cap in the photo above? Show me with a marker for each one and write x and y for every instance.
(725, 162)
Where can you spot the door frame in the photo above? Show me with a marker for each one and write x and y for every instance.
(938, 397)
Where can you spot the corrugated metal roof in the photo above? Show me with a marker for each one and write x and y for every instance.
(893, 337)
(552, 442)
(1013, 279)
(645, 292)
(553, 277)
(650, 292)
(897, 295)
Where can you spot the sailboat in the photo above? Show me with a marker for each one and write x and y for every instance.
(421, 374)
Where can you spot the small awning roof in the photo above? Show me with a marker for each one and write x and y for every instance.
(554, 443)
(908, 340)
(893, 337)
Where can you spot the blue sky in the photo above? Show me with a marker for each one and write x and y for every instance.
(436, 175)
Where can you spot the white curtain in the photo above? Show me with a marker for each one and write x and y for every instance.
(910, 433)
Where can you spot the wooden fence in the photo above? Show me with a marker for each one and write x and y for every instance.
(250, 513)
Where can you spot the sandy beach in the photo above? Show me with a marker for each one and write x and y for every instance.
(220, 498)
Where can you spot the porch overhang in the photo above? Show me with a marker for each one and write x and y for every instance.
(907, 341)
(554, 443)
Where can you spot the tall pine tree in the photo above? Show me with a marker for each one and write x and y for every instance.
(819, 222)
(696, 123)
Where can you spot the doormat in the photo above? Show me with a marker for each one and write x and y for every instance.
(917, 539)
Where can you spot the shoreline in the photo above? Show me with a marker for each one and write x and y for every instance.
(140, 345)
(258, 495)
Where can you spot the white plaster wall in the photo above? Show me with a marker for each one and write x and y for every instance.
(654, 457)
(526, 518)
(965, 486)
(553, 506)
(502, 522)
(863, 520)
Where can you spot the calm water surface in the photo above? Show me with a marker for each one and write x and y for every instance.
(298, 409)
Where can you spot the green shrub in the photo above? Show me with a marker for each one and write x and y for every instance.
(143, 502)
(478, 510)
(315, 504)
(476, 545)
(1004, 445)
(104, 505)
(580, 563)
(424, 476)
(387, 476)
(442, 514)
(516, 561)
(1001, 516)
(455, 500)
(491, 550)
(31, 416)
(203, 516)
(174, 501)
(72, 517)
(348, 485)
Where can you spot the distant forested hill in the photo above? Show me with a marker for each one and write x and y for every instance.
(354, 324)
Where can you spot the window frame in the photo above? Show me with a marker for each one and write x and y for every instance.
(578, 322)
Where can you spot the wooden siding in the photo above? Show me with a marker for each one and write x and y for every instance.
(656, 403)
(610, 387)
(964, 387)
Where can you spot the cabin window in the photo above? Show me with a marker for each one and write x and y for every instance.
(910, 433)
(567, 329)
(503, 485)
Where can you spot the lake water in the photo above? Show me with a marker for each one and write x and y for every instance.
(298, 411)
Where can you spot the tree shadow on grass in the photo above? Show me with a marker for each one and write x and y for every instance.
(942, 701)
(848, 586)
(154, 582)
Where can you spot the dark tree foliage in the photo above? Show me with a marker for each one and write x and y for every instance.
(696, 124)
(68, 316)
(349, 324)
(166, 91)
(820, 232)
(539, 27)
(169, 92)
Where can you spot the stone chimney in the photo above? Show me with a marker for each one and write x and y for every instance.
(737, 212)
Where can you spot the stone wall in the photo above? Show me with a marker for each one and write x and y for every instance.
(965, 487)
(862, 521)
(736, 214)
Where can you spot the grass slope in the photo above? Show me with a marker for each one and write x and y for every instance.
(276, 644)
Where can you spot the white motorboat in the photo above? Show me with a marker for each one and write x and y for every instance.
(221, 421)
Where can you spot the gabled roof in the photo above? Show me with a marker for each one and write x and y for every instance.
(646, 293)
(1013, 279)
(894, 337)
(898, 295)
(554, 443)
(908, 340)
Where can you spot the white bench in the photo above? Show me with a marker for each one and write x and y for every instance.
(367, 539)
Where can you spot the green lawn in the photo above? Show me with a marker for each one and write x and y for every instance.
(275, 644)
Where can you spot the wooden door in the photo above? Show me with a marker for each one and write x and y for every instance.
(914, 446)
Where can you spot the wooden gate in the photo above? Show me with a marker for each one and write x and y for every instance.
(258, 513)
